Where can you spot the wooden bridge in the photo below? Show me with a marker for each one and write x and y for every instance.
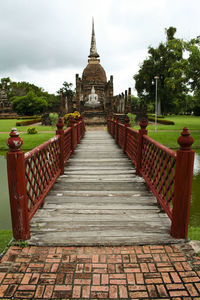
(103, 194)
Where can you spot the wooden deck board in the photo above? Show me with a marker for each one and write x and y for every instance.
(99, 201)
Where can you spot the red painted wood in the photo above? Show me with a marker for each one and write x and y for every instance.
(72, 123)
(183, 186)
(167, 174)
(158, 170)
(17, 187)
(142, 131)
(60, 132)
(116, 129)
(67, 143)
(31, 175)
(132, 144)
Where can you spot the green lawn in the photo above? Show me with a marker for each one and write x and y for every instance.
(194, 233)
(7, 125)
(30, 141)
(168, 134)
(192, 122)
(169, 139)
(5, 237)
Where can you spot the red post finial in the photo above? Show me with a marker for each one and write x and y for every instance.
(127, 121)
(14, 142)
(143, 123)
(71, 121)
(185, 140)
(60, 124)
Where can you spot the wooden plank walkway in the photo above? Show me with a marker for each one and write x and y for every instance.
(99, 201)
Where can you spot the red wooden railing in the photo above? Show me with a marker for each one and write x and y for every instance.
(168, 174)
(31, 175)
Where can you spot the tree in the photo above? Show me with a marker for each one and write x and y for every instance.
(66, 90)
(30, 104)
(19, 89)
(166, 62)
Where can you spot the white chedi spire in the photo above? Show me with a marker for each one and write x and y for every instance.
(93, 47)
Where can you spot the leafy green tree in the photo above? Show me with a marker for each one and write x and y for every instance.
(66, 90)
(19, 89)
(193, 65)
(30, 104)
(167, 62)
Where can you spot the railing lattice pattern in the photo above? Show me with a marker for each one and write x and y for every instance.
(41, 170)
(132, 144)
(158, 169)
(67, 144)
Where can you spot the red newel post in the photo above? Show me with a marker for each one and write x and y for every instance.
(17, 187)
(183, 186)
(127, 124)
(60, 132)
(142, 131)
(72, 122)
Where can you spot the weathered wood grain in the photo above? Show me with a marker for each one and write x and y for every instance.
(99, 201)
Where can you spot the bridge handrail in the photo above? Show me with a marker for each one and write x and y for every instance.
(31, 175)
(168, 174)
(42, 167)
(158, 169)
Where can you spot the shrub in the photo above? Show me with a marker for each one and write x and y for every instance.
(32, 130)
(29, 122)
(196, 110)
(132, 119)
(74, 115)
(28, 105)
(53, 118)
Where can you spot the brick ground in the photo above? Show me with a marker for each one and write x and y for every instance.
(129, 272)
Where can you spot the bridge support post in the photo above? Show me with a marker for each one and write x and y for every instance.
(17, 187)
(183, 186)
(142, 131)
(60, 132)
(127, 124)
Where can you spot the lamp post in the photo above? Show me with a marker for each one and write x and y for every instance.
(156, 102)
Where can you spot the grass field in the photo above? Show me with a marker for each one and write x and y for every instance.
(169, 139)
(194, 233)
(30, 141)
(7, 125)
(5, 237)
(192, 122)
(168, 134)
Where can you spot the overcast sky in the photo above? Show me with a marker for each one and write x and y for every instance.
(46, 42)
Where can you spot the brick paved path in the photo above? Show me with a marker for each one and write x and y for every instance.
(128, 272)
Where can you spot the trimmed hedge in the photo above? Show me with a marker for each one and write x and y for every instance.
(161, 121)
(153, 116)
(28, 117)
(29, 122)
